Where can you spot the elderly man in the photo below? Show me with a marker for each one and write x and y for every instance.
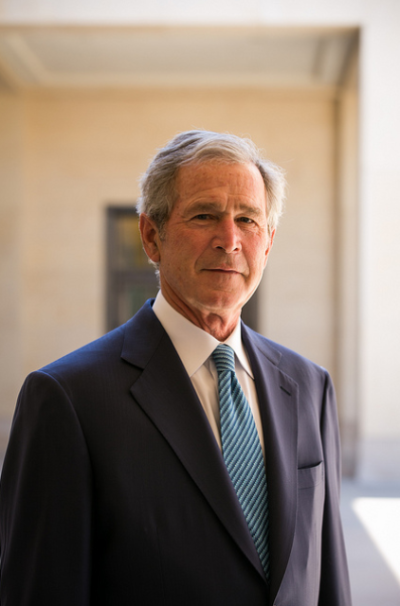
(182, 459)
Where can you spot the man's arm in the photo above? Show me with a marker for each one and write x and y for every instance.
(45, 502)
(335, 585)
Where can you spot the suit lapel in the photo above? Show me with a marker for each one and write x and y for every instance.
(165, 393)
(278, 400)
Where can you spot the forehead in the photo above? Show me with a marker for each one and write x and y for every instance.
(216, 180)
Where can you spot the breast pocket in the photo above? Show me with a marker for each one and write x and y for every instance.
(310, 477)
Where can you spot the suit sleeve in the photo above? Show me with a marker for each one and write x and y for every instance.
(45, 502)
(335, 585)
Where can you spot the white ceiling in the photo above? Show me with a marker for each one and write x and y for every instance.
(90, 57)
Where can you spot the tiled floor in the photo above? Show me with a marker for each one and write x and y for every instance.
(372, 579)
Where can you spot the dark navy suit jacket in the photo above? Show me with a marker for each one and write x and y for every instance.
(114, 491)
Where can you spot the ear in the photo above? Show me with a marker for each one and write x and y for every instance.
(271, 241)
(150, 237)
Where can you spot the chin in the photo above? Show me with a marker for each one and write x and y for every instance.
(220, 303)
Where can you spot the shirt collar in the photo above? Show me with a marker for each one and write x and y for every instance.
(194, 345)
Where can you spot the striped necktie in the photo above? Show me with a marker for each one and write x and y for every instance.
(242, 451)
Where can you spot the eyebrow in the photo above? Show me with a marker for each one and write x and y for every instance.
(206, 207)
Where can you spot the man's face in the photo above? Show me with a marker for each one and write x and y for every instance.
(216, 242)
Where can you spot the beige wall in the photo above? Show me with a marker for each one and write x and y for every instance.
(83, 151)
(298, 289)
(347, 282)
(10, 277)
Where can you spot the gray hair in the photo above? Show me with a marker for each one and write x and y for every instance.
(158, 183)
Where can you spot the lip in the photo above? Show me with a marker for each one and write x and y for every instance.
(223, 270)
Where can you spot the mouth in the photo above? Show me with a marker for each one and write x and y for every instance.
(222, 270)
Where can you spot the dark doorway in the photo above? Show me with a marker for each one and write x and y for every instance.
(131, 280)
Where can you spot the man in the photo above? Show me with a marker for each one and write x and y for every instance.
(126, 477)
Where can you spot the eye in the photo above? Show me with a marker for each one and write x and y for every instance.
(246, 220)
(202, 217)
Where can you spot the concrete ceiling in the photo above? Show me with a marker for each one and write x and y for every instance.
(34, 58)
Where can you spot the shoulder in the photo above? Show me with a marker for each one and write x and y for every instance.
(104, 358)
(295, 365)
(95, 354)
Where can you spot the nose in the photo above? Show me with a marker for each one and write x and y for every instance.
(227, 236)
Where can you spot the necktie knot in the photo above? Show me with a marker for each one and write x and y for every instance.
(224, 358)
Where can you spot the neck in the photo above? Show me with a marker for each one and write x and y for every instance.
(218, 324)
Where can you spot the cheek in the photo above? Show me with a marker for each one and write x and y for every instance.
(178, 259)
(256, 255)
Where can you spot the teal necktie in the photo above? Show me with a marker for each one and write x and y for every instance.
(242, 451)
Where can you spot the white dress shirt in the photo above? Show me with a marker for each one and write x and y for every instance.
(194, 347)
